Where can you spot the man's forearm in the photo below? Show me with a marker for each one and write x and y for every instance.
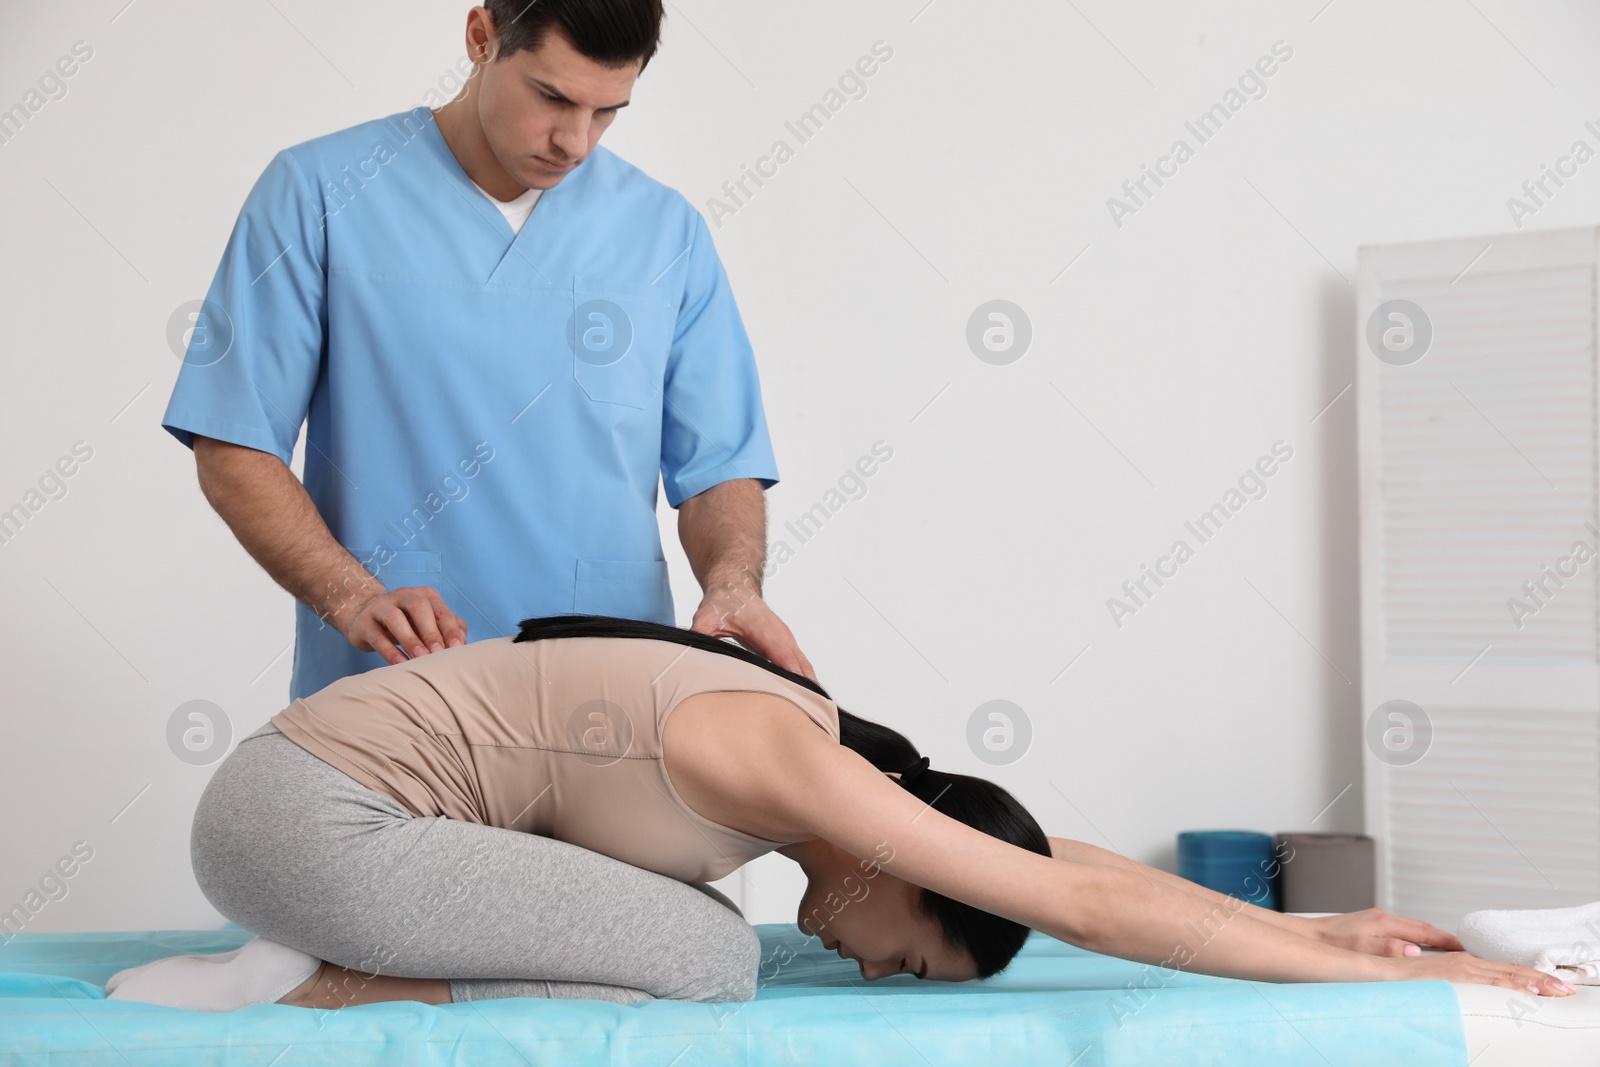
(1063, 848)
(724, 534)
(274, 518)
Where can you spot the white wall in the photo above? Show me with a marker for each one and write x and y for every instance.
(1178, 347)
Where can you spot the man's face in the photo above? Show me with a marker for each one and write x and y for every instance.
(543, 112)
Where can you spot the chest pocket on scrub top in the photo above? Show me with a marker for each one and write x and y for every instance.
(620, 334)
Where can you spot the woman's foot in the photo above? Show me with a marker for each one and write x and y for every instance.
(332, 986)
(259, 972)
(297, 996)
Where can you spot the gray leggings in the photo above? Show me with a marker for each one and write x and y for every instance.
(295, 850)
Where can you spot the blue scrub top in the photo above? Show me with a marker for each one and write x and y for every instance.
(489, 412)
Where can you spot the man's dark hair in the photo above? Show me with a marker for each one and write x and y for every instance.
(613, 33)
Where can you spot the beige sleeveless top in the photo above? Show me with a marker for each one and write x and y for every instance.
(559, 737)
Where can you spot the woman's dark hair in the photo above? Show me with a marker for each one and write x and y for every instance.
(993, 941)
(613, 33)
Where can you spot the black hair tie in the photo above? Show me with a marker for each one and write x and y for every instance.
(913, 772)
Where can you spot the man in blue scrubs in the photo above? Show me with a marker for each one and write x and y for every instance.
(488, 407)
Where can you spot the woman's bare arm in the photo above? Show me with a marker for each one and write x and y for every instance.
(832, 792)
(1375, 931)
(1064, 848)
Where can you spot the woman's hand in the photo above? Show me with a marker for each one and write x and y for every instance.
(1379, 933)
(1461, 967)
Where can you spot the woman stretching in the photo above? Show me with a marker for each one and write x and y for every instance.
(537, 816)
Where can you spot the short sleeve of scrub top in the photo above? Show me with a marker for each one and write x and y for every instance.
(260, 332)
(712, 408)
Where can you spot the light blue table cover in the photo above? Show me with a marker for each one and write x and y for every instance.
(1055, 1005)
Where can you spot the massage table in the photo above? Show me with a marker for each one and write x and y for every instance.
(1056, 1005)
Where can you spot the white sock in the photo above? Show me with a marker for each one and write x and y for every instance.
(260, 972)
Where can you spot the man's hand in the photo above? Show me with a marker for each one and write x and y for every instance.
(727, 611)
(273, 516)
(413, 617)
(723, 531)
(1378, 933)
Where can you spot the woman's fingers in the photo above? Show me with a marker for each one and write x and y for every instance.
(1516, 976)
(1397, 934)
(1427, 934)
(1463, 967)
(1539, 983)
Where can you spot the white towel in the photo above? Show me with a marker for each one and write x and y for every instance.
(259, 972)
(1564, 942)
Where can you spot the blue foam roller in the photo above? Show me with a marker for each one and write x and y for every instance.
(1239, 863)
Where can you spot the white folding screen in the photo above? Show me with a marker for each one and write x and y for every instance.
(1480, 528)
